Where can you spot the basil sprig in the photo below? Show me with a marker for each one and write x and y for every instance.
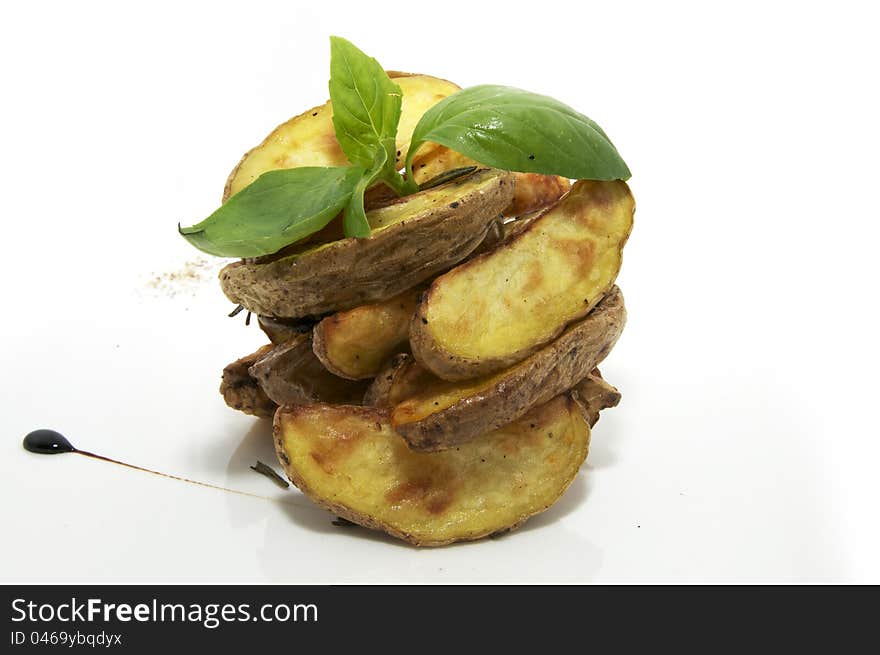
(497, 126)
(366, 111)
(516, 130)
(284, 206)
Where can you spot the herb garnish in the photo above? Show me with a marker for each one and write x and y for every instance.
(269, 472)
(366, 111)
(497, 126)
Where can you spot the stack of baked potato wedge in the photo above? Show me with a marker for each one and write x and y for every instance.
(437, 379)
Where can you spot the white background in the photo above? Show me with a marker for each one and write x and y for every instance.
(746, 446)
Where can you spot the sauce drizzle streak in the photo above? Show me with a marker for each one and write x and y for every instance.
(50, 442)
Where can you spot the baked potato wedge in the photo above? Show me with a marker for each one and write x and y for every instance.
(355, 344)
(309, 139)
(412, 239)
(350, 461)
(533, 191)
(290, 374)
(241, 391)
(435, 414)
(550, 274)
(404, 380)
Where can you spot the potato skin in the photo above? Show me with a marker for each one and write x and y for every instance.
(290, 374)
(594, 394)
(446, 225)
(349, 461)
(241, 391)
(444, 414)
(550, 273)
(355, 344)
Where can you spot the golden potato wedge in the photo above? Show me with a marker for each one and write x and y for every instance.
(310, 140)
(530, 288)
(350, 461)
(241, 391)
(533, 191)
(290, 374)
(434, 414)
(412, 239)
(595, 394)
(355, 344)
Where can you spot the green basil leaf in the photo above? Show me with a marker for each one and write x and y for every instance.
(516, 130)
(279, 208)
(354, 222)
(366, 104)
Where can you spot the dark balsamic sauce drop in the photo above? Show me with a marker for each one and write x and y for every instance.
(47, 442)
(50, 442)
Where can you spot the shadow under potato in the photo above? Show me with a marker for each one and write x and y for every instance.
(256, 446)
(603, 442)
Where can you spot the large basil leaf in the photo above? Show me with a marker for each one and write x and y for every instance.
(366, 104)
(279, 208)
(516, 130)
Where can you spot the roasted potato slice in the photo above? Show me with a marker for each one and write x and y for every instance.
(350, 461)
(309, 139)
(404, 380)
(241, 391)
(411, 240)
(434, 414)
(355, 344)
(530, 288)
(533, 191)
(290, 374)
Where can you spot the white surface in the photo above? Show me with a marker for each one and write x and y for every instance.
(745, 448)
